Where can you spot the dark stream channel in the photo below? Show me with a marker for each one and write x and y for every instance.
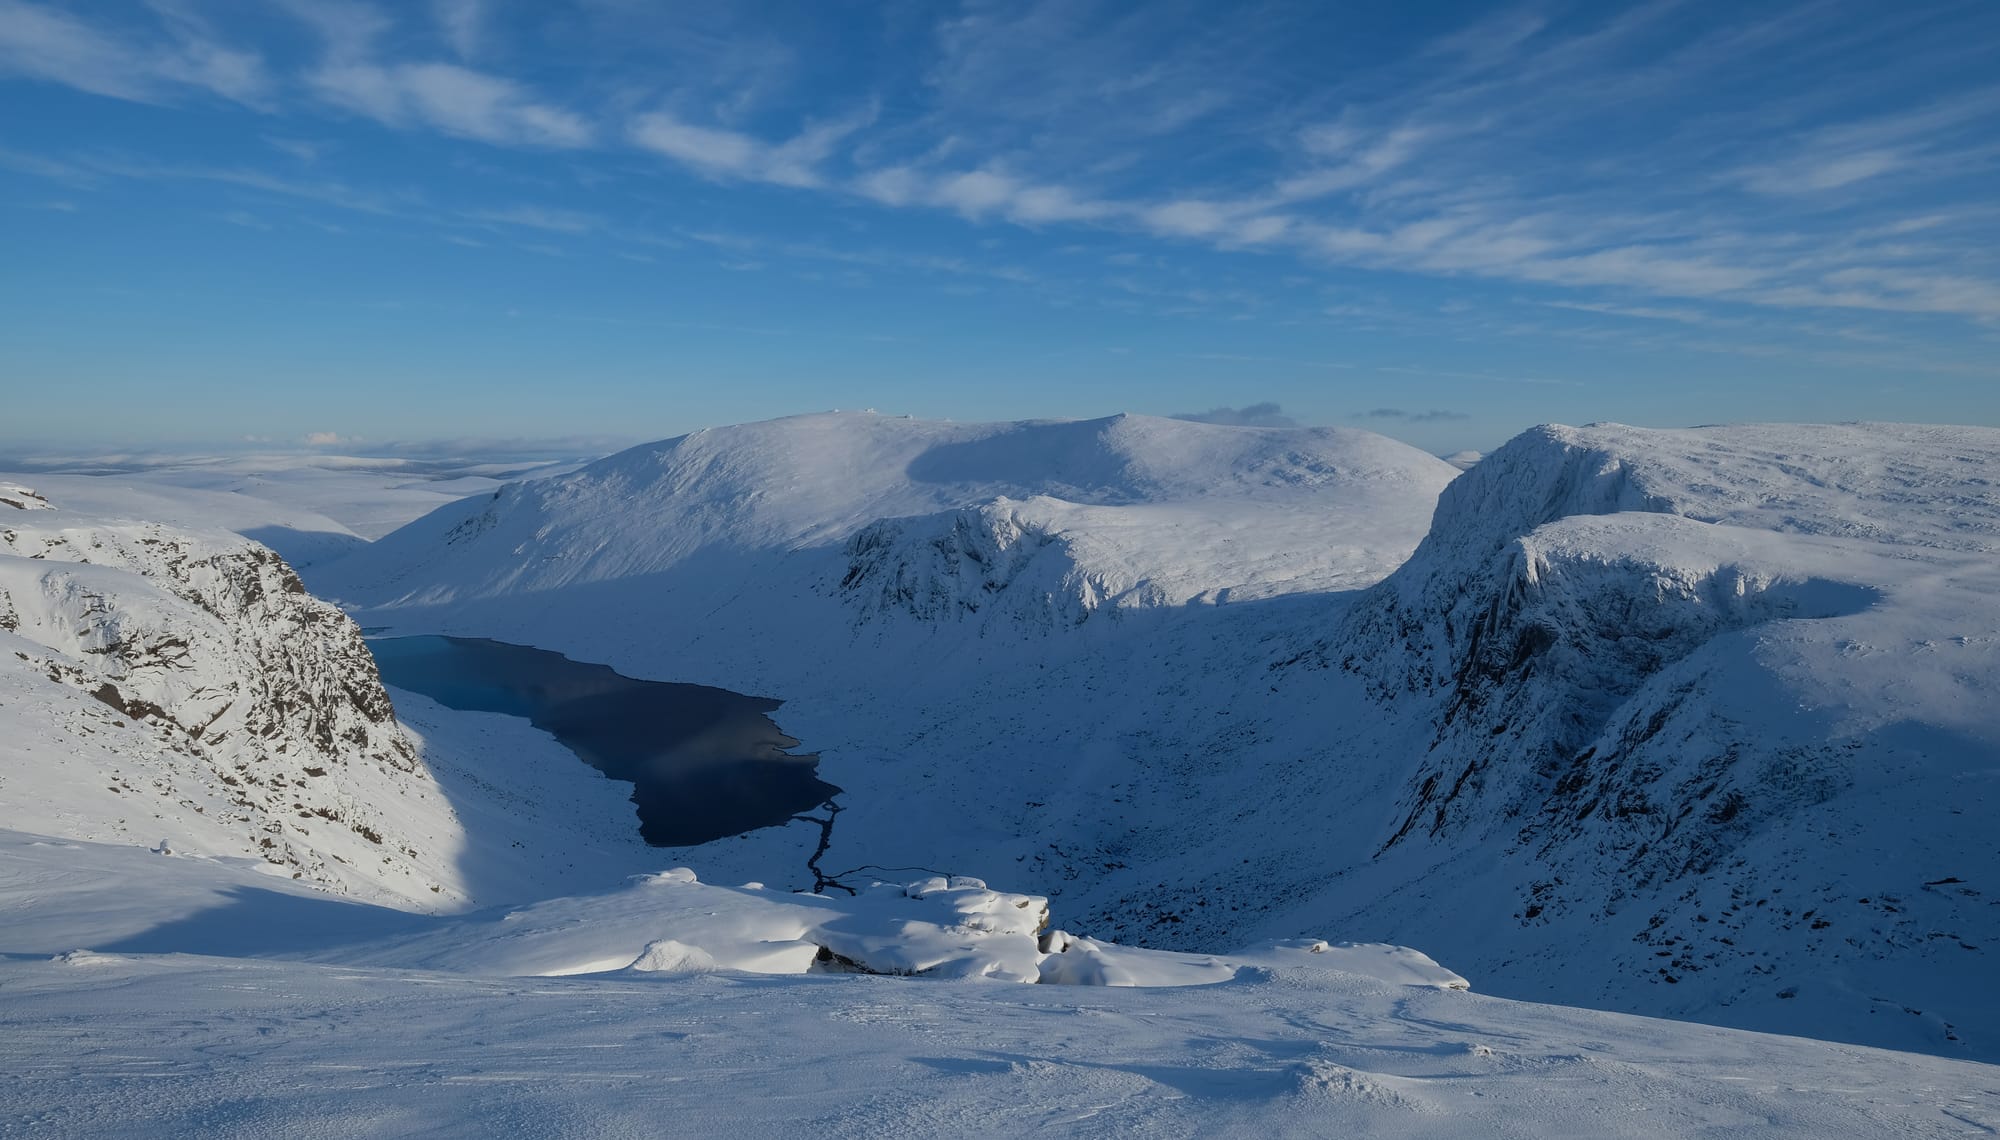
(704, 763)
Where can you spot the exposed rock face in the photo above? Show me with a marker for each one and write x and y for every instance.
(1548, 615)
(22, 498)
(265, 714)
(975, 565)
(1576, 619)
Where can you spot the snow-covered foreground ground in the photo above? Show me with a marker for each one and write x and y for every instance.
(193, 1046)
(192, 1015)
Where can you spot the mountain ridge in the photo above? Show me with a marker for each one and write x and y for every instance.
(1690, 722)
(1616, 665)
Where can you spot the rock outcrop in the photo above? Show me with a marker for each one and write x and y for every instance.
(253, 709)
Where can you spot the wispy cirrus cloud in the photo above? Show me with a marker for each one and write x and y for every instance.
(301, 149)
(463, 24)
(1340, 200)
(983, 193)
(901, 261)
(321, 191)
(730, 155)
(1424, 176)
(1892, 290)
(1020, 80)
(348, 29)
(1551, 151)
(94, 171)
(451, 99)
(53, 44)
(357, 76)
(1640, 312)
(43, 166)
(1932, 141)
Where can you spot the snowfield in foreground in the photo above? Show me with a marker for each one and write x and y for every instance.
(210, 1024)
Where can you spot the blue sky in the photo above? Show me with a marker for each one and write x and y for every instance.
(1446, 221)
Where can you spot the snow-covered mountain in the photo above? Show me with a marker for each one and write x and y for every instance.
(1706, 713)
(1689, 723)
(176, 686)
(739, 528)
(1641, 722)
(1006, 623)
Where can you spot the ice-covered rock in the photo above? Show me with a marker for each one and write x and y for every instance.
(1075, 961)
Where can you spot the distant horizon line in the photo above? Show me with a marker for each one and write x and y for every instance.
(24, 454)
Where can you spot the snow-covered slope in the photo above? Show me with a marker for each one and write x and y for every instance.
(178, 688)
(1641, 724)
(161, 996)
(302, 536)
(747, 529)
(1713, 714)
(310, 507)
(176, 685)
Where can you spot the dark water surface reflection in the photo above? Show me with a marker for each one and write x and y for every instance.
(704, 762)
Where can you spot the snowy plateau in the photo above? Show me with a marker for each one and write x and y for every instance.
(1619, 782)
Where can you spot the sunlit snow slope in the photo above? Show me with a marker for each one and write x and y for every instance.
(177, 687)
(181, 687)
(732, 533)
